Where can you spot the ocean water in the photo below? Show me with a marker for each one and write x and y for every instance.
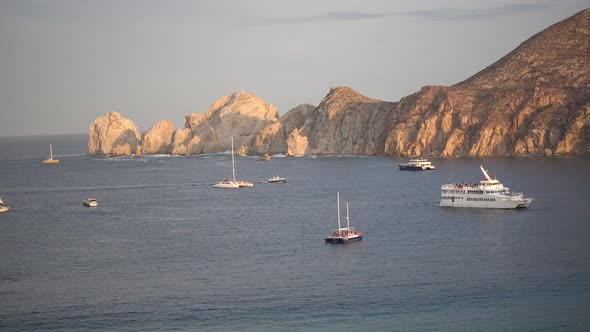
(166, 251)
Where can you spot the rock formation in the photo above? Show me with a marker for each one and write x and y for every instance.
(112, 134)
(241, 115)
(535, 100)
(158, 139)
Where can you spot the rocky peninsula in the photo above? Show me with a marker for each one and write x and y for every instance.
(533, 101)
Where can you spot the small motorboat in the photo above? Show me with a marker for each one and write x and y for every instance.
(90, 202)
(277, 179)
(3, 207)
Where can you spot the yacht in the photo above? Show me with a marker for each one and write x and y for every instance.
(488, 193)
(343, 234)
(419, 164)
(227, 183)
(3, 207)
(90, 202)
(233, 183)
(277, 179)
(50, 160)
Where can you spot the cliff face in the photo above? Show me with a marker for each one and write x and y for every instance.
(241, 115)
(535, 100)
(158, 139)
(345, 122)
(112, 134)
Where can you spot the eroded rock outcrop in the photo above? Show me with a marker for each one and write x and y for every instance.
(158, 139)
(112, 134)
(241, 115)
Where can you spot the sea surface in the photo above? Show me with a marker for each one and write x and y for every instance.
(166, 251)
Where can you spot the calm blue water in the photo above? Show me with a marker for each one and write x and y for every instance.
(165, 251)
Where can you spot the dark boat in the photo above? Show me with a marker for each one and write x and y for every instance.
(343, 234)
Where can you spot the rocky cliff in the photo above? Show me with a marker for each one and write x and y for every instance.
(158, 139)
(241, 115)
(535, 100)
(112, 134)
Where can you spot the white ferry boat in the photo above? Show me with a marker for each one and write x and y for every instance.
(488, 193)
(420, 164)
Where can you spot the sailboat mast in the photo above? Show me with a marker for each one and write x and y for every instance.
(347, 218)
(233, 164)
(338, 206)
(50, 152)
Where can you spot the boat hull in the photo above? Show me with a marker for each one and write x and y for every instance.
(226, 185)
(4, 208)
(50, 161)
(414, 168)
(498, 204)
(343, 240)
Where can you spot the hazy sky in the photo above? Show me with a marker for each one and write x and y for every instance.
(64, 63)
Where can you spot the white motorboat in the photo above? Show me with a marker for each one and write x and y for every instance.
(343, 234)
(3, 207)
(488, 193)
(277, 179)
(419, 164)
(90, 202)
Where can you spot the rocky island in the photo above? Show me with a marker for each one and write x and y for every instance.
(533, 101)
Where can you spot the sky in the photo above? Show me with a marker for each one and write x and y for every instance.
(63, 63)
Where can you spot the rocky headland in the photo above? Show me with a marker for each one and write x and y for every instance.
(533, 101)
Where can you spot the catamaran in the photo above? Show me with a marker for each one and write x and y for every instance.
(343, 234)
(3, 207)
(50, 160)
(232, 183)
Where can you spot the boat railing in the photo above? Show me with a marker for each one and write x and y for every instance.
(461, 186)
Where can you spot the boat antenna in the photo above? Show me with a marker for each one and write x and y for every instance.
(485, 173)
(338, 207)
(347, 218)
(233, 163)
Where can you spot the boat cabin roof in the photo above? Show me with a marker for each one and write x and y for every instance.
(343, 229)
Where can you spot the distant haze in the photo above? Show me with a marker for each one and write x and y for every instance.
(64, 63)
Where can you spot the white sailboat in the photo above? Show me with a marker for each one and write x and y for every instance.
(343, 234)
(232, 183)
(3, 207)
(50, 160)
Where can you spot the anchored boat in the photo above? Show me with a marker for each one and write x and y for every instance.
(50, 160)
(343, 234)
(488, 193)
(232, 183)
